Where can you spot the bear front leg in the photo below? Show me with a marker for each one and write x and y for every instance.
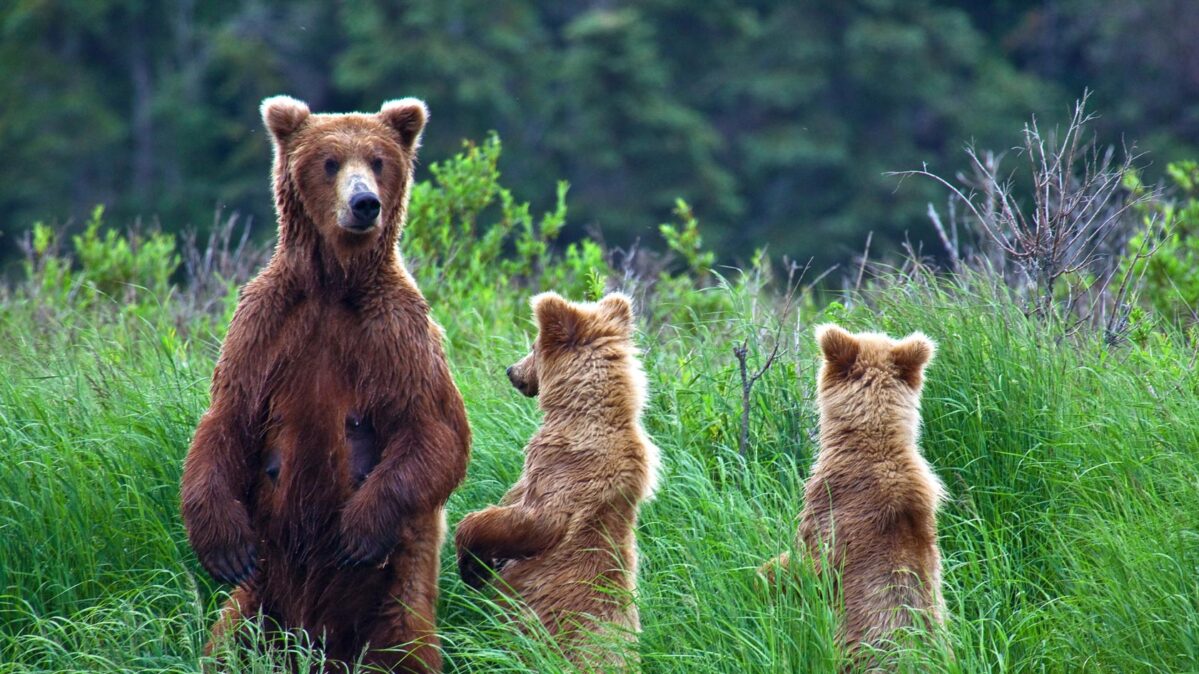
(216, 482)
(498, 533)
(421, 465)
(222, 460)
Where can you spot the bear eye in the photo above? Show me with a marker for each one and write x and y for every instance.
(377, 165)
(331, 167)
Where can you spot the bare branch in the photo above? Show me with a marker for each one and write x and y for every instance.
(955, 258)
(1073, 225)
(865, 257)
(741, 352)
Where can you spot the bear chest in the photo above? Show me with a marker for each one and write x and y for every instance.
(326, 399)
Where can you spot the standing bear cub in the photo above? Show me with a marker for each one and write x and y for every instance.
(870, 504)
(562, 539)
(317, 478)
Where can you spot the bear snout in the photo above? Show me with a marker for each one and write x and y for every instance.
(520, 384)
(365, 207)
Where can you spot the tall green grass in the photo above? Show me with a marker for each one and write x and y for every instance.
(1071, 541)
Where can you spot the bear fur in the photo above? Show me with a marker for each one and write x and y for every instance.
(562, 539)
(317, 478)
(870, 503)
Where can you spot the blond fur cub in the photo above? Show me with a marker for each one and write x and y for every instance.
(870, 504)
(562, 538)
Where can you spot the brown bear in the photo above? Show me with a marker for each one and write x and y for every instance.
(317, 478)
(562, 539)
(870, 503)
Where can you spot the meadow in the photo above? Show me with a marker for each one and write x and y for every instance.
(1070, 540)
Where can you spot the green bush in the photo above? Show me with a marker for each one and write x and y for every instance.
(129, 267)
(450, 245)
(1171, 272)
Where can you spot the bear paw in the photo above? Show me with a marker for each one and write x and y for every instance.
(230, 557)
(474, 572)
(364, 542)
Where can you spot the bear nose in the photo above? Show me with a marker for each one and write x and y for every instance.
(509, 373)
(365, 207)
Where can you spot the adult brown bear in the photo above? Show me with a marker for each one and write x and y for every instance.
(317, 478)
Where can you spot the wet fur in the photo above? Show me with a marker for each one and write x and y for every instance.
(562, 539)
(316, 479)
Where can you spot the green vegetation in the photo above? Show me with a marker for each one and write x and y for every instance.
(1071, 541)
(776, 119)
(1170, 271)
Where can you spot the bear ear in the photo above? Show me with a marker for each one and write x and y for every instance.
(557, 319)
(911, 355)
(406, 117)
(840, 348)
(283, 116)
(617, 308)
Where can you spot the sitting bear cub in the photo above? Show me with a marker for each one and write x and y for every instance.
(870, 503)
(562, 539)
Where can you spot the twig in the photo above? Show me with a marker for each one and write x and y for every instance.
(1076, 222)
(955, 260)
(748, 380)
(857, 285)
(741, 352)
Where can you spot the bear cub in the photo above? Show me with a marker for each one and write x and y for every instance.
(870, 503)
(562, 539)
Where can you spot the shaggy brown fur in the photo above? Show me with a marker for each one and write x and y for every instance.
(871, 501)
(316, 479)
(562, 539)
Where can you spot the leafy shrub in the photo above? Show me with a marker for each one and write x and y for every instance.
(1170, 274)
(467, 233)
(447, 242)
(686, 241)
(105, 263)
(113, 262)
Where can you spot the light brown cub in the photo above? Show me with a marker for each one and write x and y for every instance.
(870, 504)
(562, 538)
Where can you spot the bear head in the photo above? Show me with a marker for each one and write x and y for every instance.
(584, 352)
(343, 179)
(869, 376)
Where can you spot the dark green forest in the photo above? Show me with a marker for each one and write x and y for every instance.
(776, 120)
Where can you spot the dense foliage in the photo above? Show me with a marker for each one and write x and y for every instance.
(775, 119)
(1171, 273)
(1070, 539)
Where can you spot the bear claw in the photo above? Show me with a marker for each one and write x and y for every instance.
(473, 571)
(232, 566)
(366, 554)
